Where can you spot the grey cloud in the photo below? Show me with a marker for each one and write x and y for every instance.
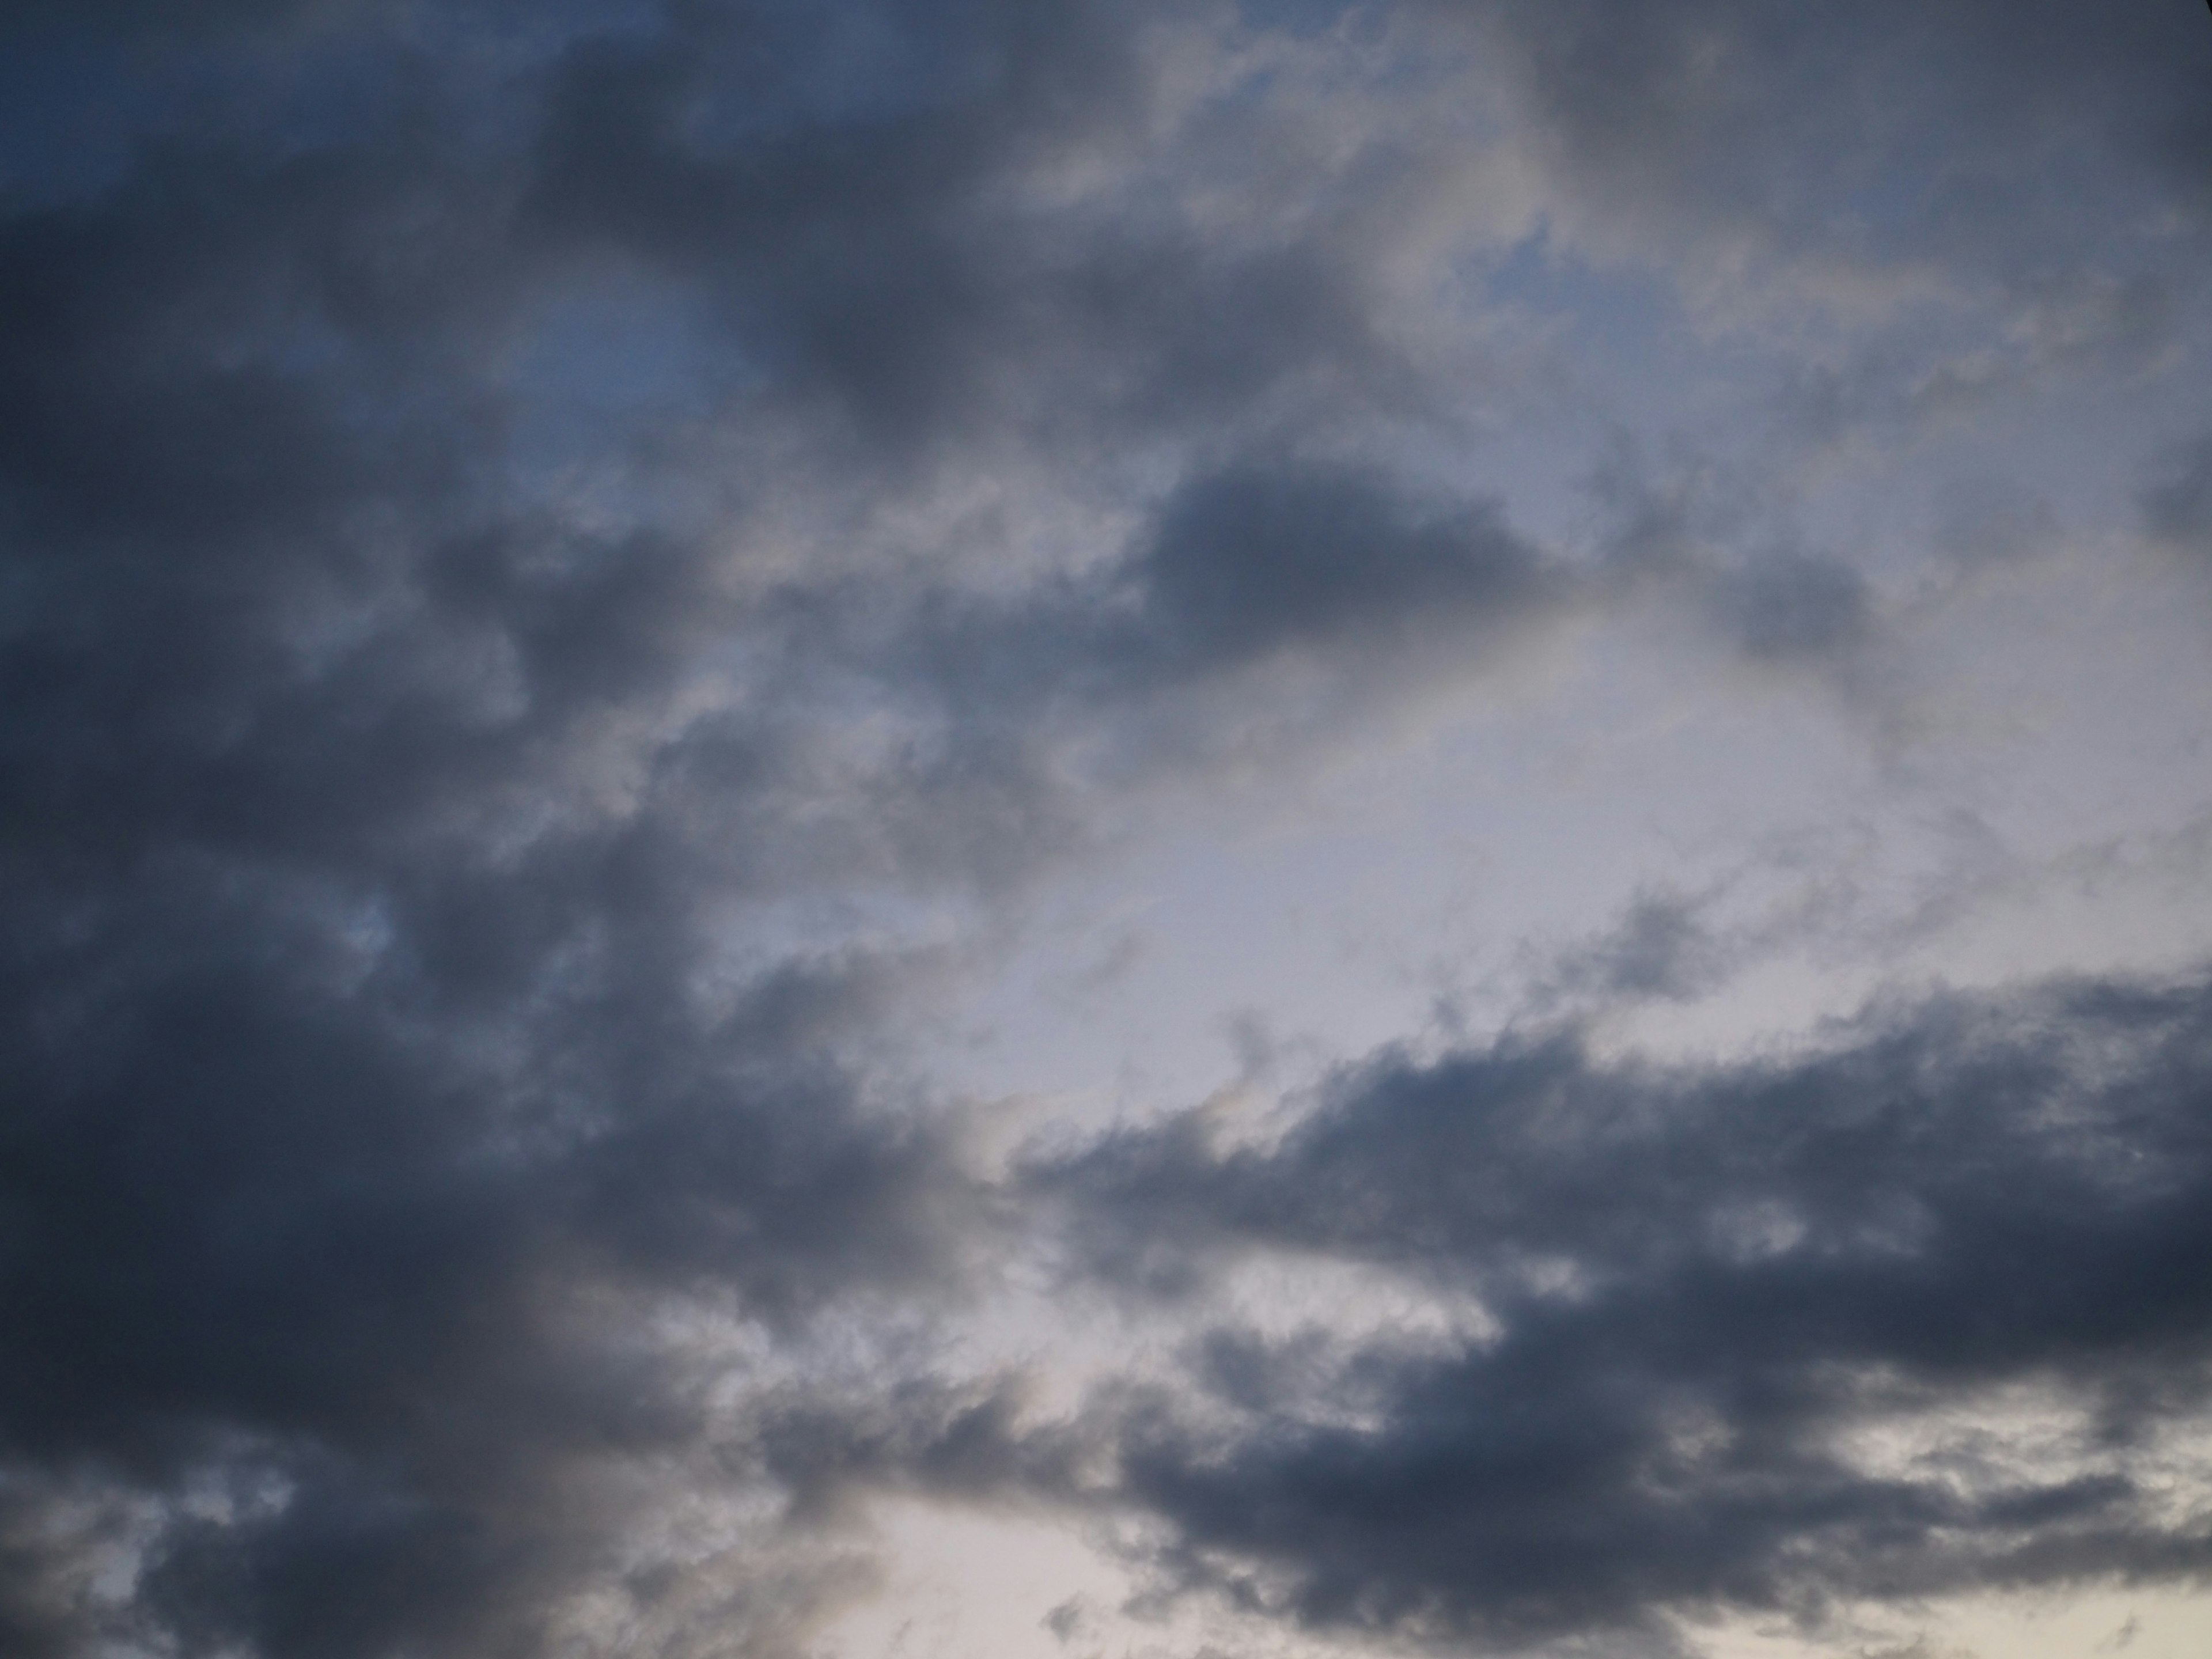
(1980, 201)
(889, 266)
(1245, 563)
(845, 191)
(1795, 605)
(136, 17)
(1986, 521)
(1678, 536)
(1656, 527)
(1254, 564)
(377, 1074)
(1755, 114)
(2178, 506)
(420, 727)
(1662, 948)
(1700, 1279)
(402, 1271)
(372, 1082)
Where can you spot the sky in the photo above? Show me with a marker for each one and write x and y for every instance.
(1219, 830)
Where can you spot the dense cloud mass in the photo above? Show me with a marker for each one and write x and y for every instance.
(610, 612)
(1698, 1294)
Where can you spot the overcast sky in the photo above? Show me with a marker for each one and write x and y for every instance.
(1219, 830)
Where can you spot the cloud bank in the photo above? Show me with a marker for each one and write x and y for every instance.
(578, 583)
(1917, 1312)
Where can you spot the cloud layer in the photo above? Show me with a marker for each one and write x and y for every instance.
(574, 580)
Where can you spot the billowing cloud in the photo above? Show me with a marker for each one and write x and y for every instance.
(586, 592)
(1913, 1313)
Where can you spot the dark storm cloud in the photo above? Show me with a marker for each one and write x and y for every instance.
(1701, 1281)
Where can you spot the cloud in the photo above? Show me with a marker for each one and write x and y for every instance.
(1750, 119)
(1795, 605)
(1662, 948)
(1247, 563)
(413, 1285)
(381, 1095)
(1247, 567)
(2178, 507)
(1905, 1316)
(409, 1065)
(565, 571)
(136, 17)
(904, 264)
